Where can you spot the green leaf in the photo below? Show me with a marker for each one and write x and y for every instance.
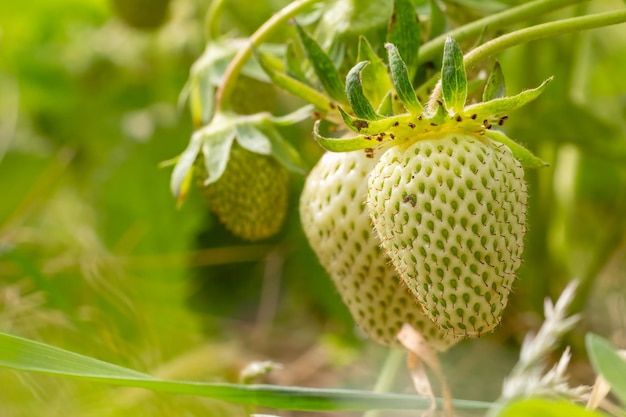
(20, 354)
(297, 88)
(354, 89)
(437, 20)
(374, 77)
(282, 150)
(523, 155)
(182, 173)
(216, 146)
(607, 362)
(404, 32)
(323, 67)
(495, 87)
(401, 82)
(250, 138)
(545, 408)
(453, 77)
(502, 106)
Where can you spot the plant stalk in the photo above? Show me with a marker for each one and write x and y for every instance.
(222, 96)
(388, 373)
(533, 33)
(431, 49)
(544, 30)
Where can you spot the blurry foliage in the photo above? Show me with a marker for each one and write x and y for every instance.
(95, 257)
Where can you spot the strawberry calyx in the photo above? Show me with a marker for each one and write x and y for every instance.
(446, 113)
(257, 133)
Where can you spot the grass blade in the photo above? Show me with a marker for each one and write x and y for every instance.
(26, 355)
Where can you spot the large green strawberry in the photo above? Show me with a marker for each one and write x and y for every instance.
(447, 197)
(450, 211)
(338, 227)
(250, 198)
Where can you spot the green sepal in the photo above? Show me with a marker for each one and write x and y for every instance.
(376, 83)
(523, 155)
(401, 81)
(440, 116)
(182, 173)
(201, 98)
(501, 106)
(297, 88)
(375, 127)
(404, 32)
(251, 139)
(282, 150)
(386, 106)
(495, 87)
(216, 146)
(453, 77)
(293, 63)
(323, 67)
(294, 117)
(354, 90)
(340, 145)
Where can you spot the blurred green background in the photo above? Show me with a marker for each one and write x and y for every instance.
(95, 257)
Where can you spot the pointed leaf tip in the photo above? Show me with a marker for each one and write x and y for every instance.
(523, 155)
(453, 77)
(401, 81)
(356, 97)
(495, 87)
(323, 66)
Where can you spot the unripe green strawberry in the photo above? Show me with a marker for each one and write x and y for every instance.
(142, 14)
(450, 212)
(250, 198)
(335, 220)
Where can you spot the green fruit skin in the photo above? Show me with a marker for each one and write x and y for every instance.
(142, 14)
(251, 197)
(336, 223)
(450, 212)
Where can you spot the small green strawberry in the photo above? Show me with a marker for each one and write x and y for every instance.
(142, 14)
(338, 227)
(251, 196)
(447, 197)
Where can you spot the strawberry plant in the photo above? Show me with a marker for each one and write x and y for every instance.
(387, 160)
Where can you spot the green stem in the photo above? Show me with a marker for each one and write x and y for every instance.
(545, 30)
(533, 33)
(265, 31)
(212, 23)
(393, 362)
(431, 49)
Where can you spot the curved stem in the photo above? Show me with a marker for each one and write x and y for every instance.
(431, 49)
(212, 23)
(533, 33)
(265, 31)
(545, 30)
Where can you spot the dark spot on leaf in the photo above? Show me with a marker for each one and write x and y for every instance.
(361, 124)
